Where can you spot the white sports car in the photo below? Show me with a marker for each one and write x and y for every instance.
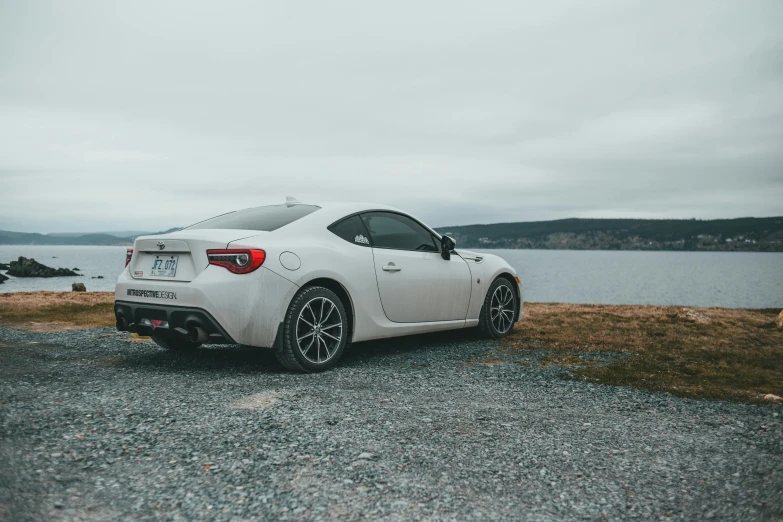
(306, 280)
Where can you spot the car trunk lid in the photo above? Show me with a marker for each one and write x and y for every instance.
(179, 256)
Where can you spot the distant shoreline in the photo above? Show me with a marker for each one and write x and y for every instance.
(461, 246)
(644, 235)
(677, 235)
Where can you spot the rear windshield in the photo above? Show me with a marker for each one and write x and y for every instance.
(265, 219)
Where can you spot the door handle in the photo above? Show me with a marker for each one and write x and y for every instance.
(391, 268)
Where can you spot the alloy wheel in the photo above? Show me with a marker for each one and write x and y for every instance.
(319, 330)
(502, 309)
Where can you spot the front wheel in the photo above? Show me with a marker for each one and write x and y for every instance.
(499, 309)
(315, 331)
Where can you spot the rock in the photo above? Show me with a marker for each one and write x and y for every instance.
(772, 398)
(3, 266)
(779, 320)
(99, 277)
(689, 314)
(24, 267)
(3, 278)
(365, 456)
(75, 269)
(78, 287)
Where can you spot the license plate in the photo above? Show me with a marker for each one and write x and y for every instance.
(164, 266)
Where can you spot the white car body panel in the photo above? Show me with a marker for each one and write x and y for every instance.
(429, 293)
(423, 286)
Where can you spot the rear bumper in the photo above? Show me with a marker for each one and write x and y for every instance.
(246, 308)
(142, 318)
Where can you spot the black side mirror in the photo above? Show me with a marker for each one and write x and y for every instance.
(447, 244)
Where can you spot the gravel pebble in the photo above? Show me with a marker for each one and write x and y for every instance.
(95, 426)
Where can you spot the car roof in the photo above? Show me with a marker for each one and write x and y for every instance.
(331, 211)
(350, 207)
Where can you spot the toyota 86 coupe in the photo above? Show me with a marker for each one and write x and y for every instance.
(305, 280)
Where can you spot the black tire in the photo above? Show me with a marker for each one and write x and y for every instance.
(489, 324)
(301, 341)
(175, 344)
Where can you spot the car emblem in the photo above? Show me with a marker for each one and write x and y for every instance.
(161, 245)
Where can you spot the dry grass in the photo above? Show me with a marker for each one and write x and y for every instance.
(704, 353)
(45, 311)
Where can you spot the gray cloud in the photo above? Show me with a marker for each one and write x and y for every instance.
(149, 115)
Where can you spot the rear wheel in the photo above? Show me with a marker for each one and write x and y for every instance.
(315, 331)
(499, 310)
(174, 343)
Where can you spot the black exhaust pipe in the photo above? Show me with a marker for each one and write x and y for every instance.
(197, 334)
(122, 324)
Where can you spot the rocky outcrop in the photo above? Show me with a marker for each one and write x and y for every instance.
(24, 267)
(78, 287)
(689, 314)
(3, 266)
(3, 278)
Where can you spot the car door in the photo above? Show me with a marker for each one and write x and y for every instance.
(415, 283)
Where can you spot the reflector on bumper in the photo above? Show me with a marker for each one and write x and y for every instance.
(154, 323)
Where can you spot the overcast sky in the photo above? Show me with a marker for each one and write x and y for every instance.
(149, 115)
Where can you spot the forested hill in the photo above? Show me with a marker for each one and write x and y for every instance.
(743, 234)
(25, 238)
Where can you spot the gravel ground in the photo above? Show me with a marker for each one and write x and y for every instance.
(97, 427)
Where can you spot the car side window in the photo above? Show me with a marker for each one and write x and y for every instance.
(352, 230)
(398, 232)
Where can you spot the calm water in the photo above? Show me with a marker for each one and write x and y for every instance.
(94, 261)
(726, 279)
(710, 279)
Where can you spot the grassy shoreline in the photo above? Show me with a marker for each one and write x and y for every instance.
(713, 353)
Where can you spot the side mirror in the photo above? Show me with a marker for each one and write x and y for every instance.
(447, 244)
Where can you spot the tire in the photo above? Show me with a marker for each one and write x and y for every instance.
(174, 343)
(496, 325)
(309, 342)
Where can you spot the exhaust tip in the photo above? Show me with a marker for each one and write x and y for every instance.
(122, 324)
(196, 334)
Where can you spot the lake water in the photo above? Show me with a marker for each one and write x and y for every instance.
(93, 261)
(724, 279)
(709, 279)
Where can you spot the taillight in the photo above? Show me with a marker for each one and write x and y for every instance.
(237, 260)
(128, 256)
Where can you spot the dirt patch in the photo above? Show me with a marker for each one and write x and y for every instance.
(700, 353)
(258, 401)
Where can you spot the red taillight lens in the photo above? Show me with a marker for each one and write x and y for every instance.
(237, 260)
(128, 256)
